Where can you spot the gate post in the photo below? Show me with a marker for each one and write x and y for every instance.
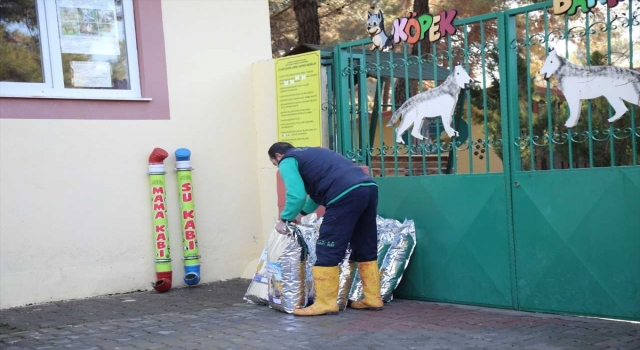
(507, 67)
(342, 101)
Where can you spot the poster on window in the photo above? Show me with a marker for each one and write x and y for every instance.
(91, 74)
(88, 27)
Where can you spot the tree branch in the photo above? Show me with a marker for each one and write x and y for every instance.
(278, 14)
(336, 9)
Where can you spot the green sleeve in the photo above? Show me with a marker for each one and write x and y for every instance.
(296, 194)
(310, 206)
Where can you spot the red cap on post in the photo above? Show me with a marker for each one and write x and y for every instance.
(158, 156)
(163, 282)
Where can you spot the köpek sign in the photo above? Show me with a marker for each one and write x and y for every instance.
(410, 29)
(414, 28)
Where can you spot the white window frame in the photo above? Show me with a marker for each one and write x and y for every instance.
(53, 86)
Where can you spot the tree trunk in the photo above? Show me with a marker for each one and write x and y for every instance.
(386, 93)
(308, 23)
(400, 92)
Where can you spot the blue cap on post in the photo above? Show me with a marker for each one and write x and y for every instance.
(192, 275)
(183, 154)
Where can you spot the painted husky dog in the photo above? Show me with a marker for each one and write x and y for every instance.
(375, 28)
(437, 102)
(579, 83)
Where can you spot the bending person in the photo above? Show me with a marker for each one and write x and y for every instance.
(351, 199)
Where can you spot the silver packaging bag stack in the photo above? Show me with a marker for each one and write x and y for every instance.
(286, 266)
(385, 229)
(284, 276)
(396, 242)
(309, 228)
(346, 279)
(397, 259)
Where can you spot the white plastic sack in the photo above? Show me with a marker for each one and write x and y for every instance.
(258, 291)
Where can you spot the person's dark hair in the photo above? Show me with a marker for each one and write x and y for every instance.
(279, 147)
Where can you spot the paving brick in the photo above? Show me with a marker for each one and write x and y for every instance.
(613, 342)
(631, 345)
(213, 316)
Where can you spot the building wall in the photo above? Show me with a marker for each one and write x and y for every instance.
(264, 112)
(75, 211)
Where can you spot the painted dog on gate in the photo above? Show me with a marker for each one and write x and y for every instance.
(375, 28)
(437, 102)
(579, 83)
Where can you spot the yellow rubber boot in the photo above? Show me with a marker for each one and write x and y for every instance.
(370, 287)
(326, 281)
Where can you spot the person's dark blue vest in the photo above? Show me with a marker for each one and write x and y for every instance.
(326, 173)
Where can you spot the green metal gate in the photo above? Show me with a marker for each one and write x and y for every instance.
(517, 211)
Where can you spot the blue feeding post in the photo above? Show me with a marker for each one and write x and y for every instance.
(191, 259)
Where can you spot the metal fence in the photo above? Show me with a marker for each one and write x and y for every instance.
(532, 108)
(542, 142)
(533, 215)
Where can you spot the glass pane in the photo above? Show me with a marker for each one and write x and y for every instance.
(20, 53)
(93, 44)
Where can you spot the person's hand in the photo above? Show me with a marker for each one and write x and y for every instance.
(298, 219)
(281, 227)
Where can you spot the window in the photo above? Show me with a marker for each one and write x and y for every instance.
(68, 49)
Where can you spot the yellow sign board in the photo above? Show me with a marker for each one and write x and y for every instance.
(298, 100)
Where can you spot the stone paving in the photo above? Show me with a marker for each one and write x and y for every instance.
(214, 316)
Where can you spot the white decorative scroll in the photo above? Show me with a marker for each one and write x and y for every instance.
(91, 74)
(437, 102)
(88, 27)
(579, 83)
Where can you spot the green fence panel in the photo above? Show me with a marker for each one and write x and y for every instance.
(576, 191)
(578, 253)
(518, 211)
(462, 251)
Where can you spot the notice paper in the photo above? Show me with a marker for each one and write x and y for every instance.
(88, 27)
(91, 74)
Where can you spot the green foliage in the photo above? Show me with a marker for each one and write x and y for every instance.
(20, 58)
(19, 11)
(344, 20)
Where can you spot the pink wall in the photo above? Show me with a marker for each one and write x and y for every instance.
(153, 80)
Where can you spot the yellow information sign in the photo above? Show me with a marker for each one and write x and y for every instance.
(298, 100)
